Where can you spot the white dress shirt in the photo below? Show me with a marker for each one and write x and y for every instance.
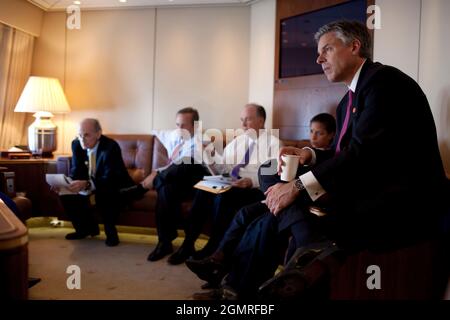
(266, 147)
(170, 140)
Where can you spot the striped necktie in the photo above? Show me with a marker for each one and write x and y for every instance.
(176, 151)
(235, 171)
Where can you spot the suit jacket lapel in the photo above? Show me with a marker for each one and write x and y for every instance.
(100, 155)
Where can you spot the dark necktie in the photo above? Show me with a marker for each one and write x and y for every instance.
(346, 120)
(235, 172)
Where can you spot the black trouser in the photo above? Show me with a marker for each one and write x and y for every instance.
(81, 212)
(238, 225)
(259, 243)
(256, 239)
(221, 209)
(174, 185)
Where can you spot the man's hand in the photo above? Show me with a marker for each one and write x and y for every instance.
(243, 183)
(78, 185)
(280, 195)
(147, 183)
(304, 154)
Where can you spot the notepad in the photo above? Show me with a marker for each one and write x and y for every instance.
(213, 186)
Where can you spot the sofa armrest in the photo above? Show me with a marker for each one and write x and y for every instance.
(159, 156)
(24, 206)
(63, 164)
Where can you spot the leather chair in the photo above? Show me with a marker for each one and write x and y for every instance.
(399, 269)
(22, 211)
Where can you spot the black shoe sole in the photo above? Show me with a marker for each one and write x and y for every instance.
(155, 256)
(287, 286)
(210, 273)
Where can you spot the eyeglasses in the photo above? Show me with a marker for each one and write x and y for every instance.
(82, 136)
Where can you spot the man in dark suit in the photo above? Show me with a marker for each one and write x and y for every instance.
(384, 191)
(98, 174)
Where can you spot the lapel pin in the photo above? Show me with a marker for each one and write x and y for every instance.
(354, 109)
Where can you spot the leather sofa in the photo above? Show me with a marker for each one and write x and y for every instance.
(142, 153)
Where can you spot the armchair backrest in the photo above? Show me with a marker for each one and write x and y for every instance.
(138, 152)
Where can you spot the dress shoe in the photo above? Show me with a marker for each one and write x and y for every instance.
(208, 269)
(224, 293)
(180, 256)
(81, 235)
(306, 276)
(215, 294)
(229, 293)
(162, 249)
(306, 254)
(204, 252)
(209, 285)
(288, 285)
(112, 241)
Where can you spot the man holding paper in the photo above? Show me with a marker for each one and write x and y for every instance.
(98, 173)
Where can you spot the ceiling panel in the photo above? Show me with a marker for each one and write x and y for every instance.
(104, 4)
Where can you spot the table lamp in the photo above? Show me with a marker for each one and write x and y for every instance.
(43, 96)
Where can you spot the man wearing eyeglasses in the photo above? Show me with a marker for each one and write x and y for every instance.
(98, 174)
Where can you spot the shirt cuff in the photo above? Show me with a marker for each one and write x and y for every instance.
(312, 186)
(313, 159)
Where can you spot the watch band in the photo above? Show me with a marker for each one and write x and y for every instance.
(299, 184)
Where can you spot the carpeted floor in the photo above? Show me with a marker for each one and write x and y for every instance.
(121, 272)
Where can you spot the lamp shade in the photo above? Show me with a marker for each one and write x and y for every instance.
(42, 94)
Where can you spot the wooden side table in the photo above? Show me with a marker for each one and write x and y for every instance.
(30, 178)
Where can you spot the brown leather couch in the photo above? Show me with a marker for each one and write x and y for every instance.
(142, 153)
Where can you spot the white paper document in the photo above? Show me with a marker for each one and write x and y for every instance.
(213, 186)
(219, 178)
(62, 182)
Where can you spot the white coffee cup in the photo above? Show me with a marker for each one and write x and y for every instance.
(289, 169)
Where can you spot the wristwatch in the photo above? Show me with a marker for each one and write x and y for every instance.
(299, 184)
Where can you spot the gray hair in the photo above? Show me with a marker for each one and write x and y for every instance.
(95, 122)
(347, 31)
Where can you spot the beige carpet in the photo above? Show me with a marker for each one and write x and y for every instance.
(120, 272)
